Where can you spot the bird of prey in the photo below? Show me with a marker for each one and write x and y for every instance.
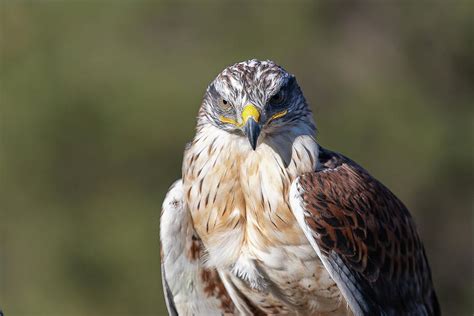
(266, 221)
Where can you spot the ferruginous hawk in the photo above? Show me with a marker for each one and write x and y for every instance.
(266, 221)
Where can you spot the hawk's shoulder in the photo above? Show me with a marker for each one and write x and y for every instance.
(365, 237)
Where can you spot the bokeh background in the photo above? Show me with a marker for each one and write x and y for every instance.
(99, 98)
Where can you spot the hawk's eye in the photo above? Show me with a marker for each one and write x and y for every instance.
(224, 104)
(277, 98)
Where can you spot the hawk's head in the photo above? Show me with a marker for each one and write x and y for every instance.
(255, 98)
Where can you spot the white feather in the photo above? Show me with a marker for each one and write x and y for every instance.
(182, 275)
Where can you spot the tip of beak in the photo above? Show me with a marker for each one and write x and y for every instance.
(252, 130)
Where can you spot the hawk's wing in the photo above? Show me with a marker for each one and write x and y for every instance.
(365, 238)
(189, 287)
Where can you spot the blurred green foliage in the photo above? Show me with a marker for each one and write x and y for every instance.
(99, 98)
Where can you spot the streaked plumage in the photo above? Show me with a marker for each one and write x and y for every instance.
(265, 221)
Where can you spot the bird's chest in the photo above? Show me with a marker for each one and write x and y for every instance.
(239, 205)
(250, 232)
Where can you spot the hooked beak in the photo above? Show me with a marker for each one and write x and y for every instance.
(252, 130)
(250, 119)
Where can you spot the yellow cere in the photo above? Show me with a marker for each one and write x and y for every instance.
(250, 111)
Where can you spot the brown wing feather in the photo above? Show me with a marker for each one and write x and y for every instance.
(368, 239)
